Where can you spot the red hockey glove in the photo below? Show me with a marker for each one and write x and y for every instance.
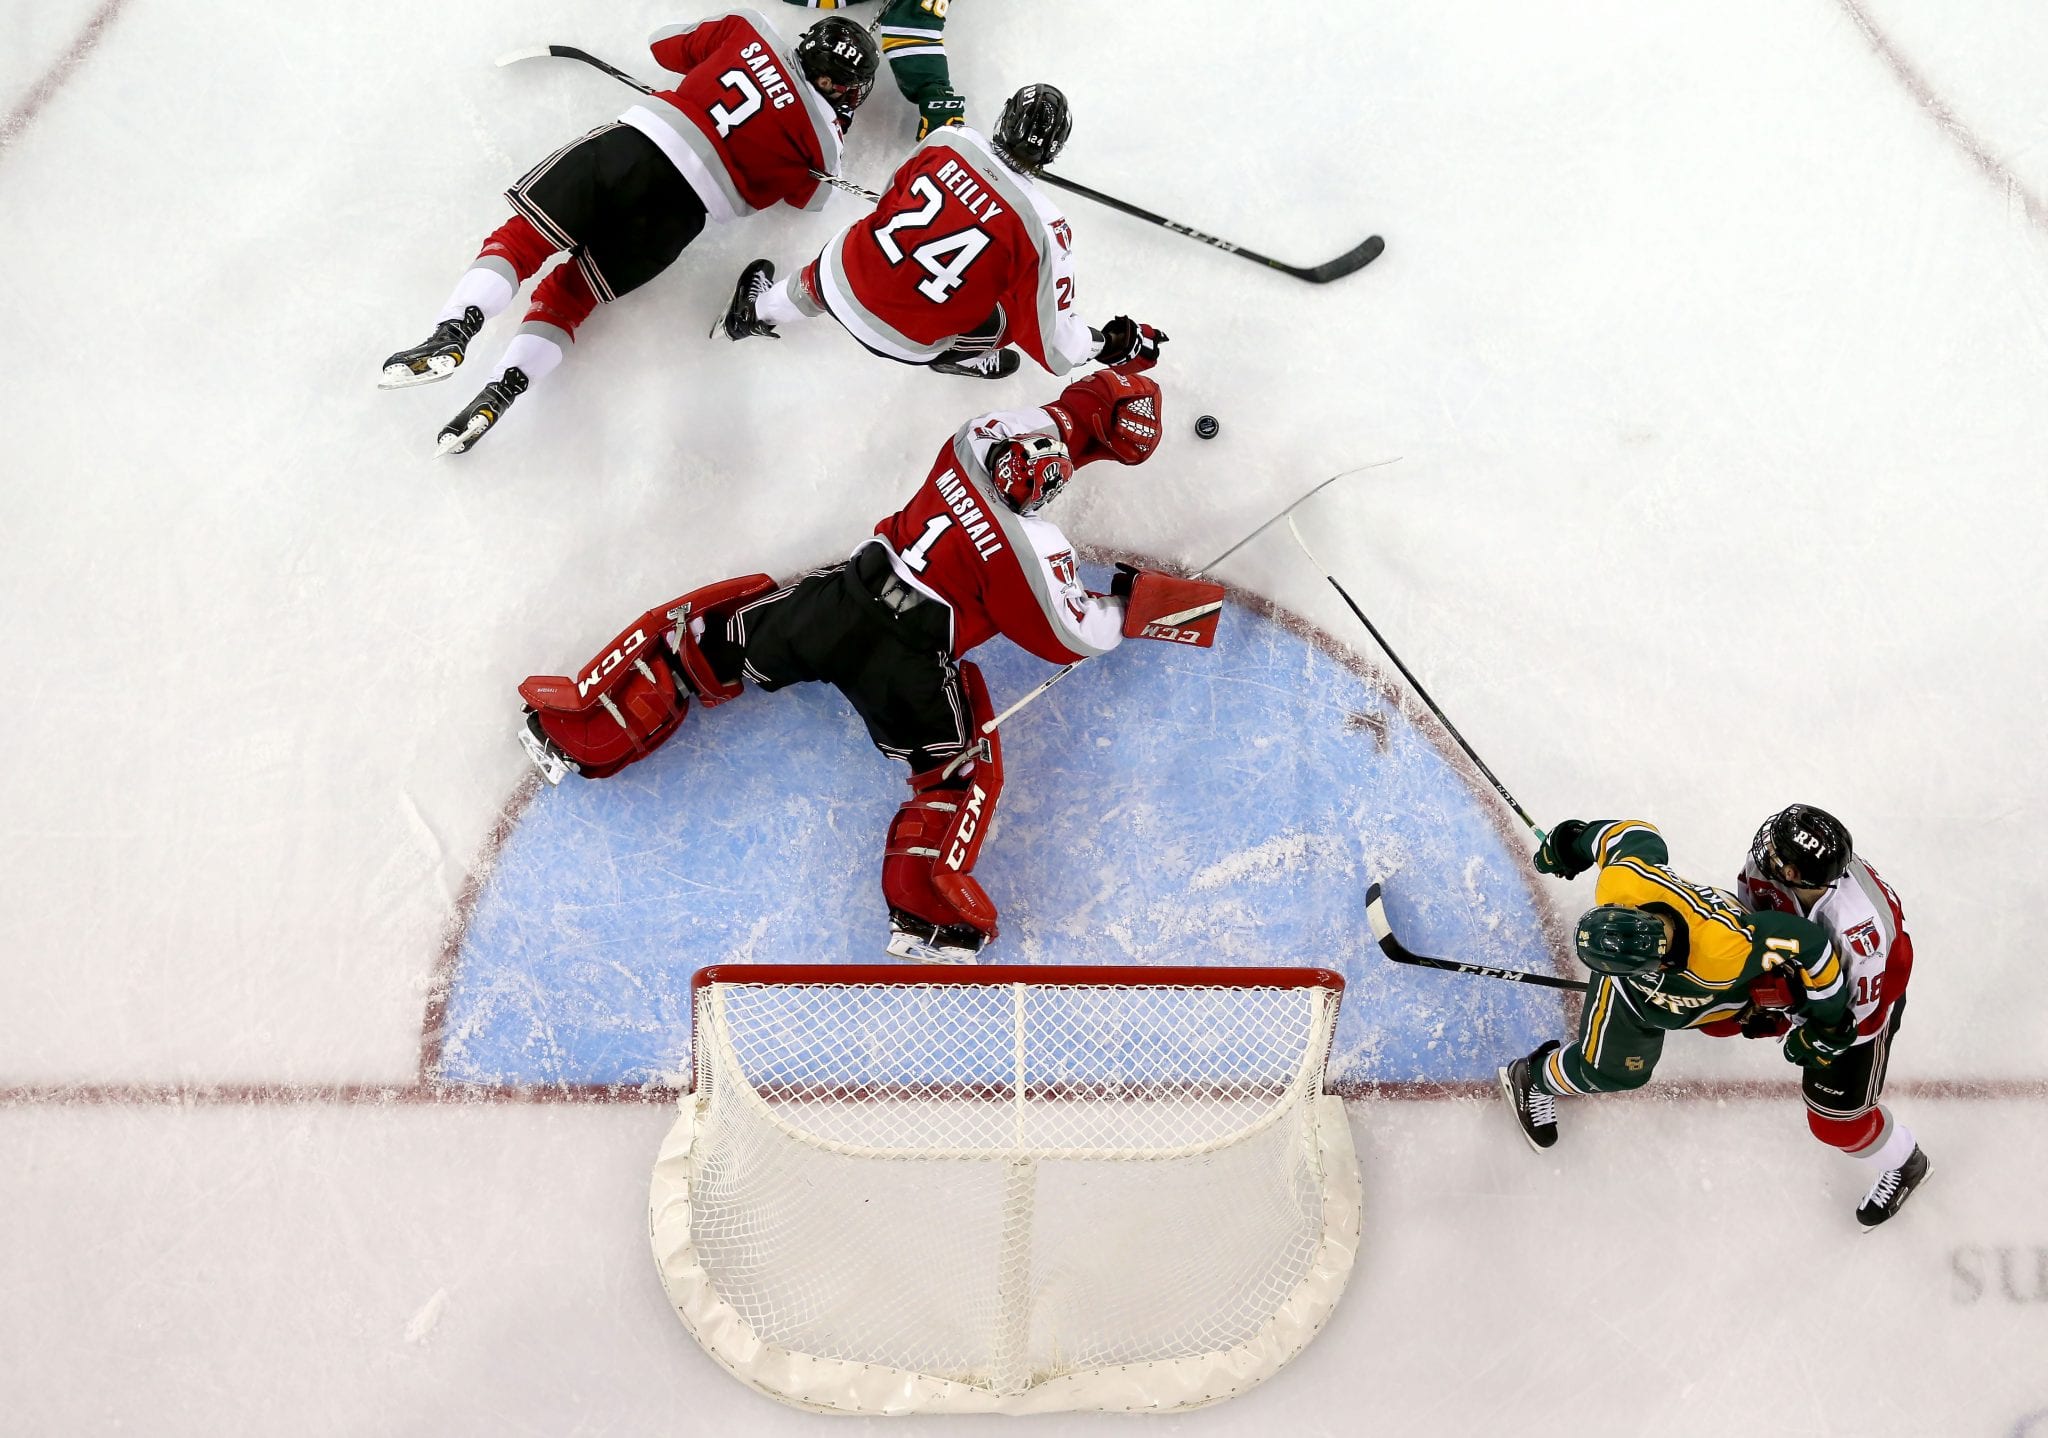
(1112, 414)
(1168, 607)
(1126, 342)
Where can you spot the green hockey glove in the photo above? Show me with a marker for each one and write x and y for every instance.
(937, 109)
(1558, 853)
(1813, 1048)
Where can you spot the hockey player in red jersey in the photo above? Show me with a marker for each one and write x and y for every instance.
(968, 558)
(963, 262)
(753, 124)
(1804, 862)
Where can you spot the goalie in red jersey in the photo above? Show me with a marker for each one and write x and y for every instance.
(963, 262)
(752, 124)
(968, 558)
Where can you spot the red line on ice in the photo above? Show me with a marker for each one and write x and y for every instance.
(1923, 93)
(24, 114)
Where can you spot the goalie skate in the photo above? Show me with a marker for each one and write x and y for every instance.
(436, 357)
(554, 765)
(912, 938)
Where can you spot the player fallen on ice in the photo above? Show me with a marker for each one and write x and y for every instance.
(964, 261)
(914, 43)
(1803, 861)
(753, 124)
(1668, 954)
(968, 558)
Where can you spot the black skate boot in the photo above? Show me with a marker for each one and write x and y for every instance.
(1889, 1194)
(740, 321)
(1535, 1110)
(484, 411)
(913, 938)
(437, 356)
(979, 364)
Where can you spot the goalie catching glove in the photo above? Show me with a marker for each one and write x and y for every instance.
(1167, 606)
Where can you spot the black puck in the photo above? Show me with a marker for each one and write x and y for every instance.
(1206, 426)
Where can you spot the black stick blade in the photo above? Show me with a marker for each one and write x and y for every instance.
(1350, 261)
(1393, 948)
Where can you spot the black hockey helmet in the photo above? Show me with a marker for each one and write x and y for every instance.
(1034, 127)
(1616, 939)
(840, 60)
(1803, 847)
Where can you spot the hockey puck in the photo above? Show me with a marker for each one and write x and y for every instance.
(1206, 426)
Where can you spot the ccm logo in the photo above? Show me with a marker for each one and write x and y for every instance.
(969, 823)
(602, 669)
(1168, 632)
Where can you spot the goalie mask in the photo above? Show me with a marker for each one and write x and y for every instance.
(1030, 470)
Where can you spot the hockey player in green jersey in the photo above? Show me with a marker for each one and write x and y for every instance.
(1668, 954)
(913, 35)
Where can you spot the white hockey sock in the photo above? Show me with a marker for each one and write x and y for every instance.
(778, 306)
(532, 351)
(1897, 1147)
(489, 284)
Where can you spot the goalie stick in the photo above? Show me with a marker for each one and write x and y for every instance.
(996, 723)
(1393, 948)
(1355, 258)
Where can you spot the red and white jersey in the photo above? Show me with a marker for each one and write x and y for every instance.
(1862, 915)
(956, 236)
(996, 571)
(745, 128)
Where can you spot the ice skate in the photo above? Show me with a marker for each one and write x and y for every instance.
(1535, 1110)
(927, 943)
(554, 765)
(740, 321)
(1889, 1194)
(989, 364)
(484, 411)
(436, 357)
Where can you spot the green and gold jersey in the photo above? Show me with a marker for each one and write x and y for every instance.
(1724, 947)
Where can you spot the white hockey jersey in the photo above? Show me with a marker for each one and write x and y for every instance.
(1862, 915)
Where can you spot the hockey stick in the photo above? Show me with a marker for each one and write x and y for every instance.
(993, 724)
(1416, 684)
(1393, 948)
(570, 52)
(1355, 258)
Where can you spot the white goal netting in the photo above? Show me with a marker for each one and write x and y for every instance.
(1009, 1190)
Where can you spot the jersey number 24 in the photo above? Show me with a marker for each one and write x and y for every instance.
(945, 259)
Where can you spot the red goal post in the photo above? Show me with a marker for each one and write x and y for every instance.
(1013, 1188)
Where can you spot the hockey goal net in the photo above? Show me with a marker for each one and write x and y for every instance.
(1006, 1189)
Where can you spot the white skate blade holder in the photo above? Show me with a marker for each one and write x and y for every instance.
(553, 767)
(457, 443)
(400, 376)
(909, 946)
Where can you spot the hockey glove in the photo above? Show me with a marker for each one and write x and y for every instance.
(1558, 853)
(1760, 1023)
(1813, 1048)
(938, 108)
(1126, 342)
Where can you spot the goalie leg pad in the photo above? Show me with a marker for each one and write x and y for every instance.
(631, 697)
(935, 838)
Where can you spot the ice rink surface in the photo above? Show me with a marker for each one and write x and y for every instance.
(1713, 341)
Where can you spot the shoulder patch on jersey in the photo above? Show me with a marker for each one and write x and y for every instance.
(1865, 939)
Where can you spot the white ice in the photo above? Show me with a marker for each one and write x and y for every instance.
(1711, 339)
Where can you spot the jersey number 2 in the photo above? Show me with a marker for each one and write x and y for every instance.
(945, 259)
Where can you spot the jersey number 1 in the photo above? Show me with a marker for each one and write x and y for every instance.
(945, 259)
